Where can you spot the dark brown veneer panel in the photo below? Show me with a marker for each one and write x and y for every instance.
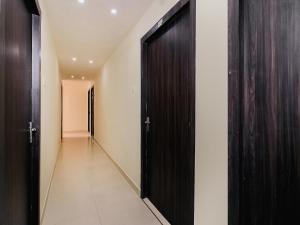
(168, 99)
(264, 112)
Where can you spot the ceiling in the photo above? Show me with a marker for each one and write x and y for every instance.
(89, 31)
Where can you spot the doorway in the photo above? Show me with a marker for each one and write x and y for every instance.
(264, 112)
(168, 114)
(77, 108)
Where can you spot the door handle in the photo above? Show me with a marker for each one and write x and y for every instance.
(31, 130)
(147, 122)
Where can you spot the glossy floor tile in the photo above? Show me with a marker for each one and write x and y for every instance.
(88, 189)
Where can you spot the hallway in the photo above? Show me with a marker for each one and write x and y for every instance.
(88, 189)
(149, 112)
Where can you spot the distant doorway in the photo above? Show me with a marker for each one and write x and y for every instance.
(75, 109)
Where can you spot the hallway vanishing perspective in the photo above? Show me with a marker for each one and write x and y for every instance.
(149, 112)
(88, 189)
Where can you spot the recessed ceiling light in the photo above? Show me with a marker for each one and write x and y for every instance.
(114, 11)
(81, 1)
(91, 61)
(82, 78)
(74, 59)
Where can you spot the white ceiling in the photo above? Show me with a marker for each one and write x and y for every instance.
(89, 31)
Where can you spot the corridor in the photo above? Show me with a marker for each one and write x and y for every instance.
(149, 112)
(88, 189)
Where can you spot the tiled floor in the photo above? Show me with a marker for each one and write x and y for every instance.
(88, 189)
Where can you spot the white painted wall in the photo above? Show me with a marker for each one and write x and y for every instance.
(50, 108)
(117, 106)
(118, 96)
(75, 105)
(211, 204)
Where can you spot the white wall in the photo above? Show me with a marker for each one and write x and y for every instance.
(117, 106)
(50, 108)
(211, 114)
(118, 96)
(75, 106)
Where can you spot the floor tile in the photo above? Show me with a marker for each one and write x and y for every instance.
(88, 189)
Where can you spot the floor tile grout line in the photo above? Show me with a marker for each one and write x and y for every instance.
(98, 212)
(96, 205)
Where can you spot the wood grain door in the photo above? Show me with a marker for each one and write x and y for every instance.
(89, 111)
(92, 111)
(264, 112)
(19, 157)
(168, 123)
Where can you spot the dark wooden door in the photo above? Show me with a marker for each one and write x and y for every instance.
(19, 163)
(264, 112)
(89, 111)
(168, 107)
(92, 111)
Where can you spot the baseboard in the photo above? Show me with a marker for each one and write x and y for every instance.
(156, 212)
(75, 131)
(127, 178)
(75, 134)
(49, 188)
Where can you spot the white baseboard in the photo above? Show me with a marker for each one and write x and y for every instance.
(127, 178)
(48, 190)
(155, 211)
(76, 134)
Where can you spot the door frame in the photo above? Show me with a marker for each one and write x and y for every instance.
(36, 119)
(192, 51)
(234, 112)
(34, 211)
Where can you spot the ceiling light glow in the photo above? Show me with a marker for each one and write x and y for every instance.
(72, 77)
(74, 59)
(81, 1)
(114, 11)
(82, 78)
(91, 61)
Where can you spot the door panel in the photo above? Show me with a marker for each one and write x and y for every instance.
(16, 112)
(89, 111)
(170, 107)
(264, 112)
(2, 102)
(92, 111)
(36, 119)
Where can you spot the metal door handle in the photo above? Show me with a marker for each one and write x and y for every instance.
(31, 131)
(147, 122)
